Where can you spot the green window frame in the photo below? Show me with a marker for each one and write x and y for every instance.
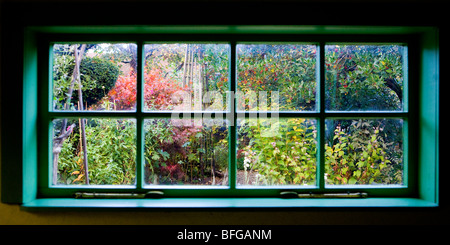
(421, 116)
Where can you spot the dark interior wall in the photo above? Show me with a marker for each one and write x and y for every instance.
(162, 12)
(17, 14)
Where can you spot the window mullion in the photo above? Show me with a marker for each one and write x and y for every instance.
(139, 119)
(321, 86)
(232, 127)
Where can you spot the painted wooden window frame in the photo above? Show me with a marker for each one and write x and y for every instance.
(25, 187)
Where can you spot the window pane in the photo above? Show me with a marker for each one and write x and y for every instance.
(110, 150)
(186, 77)
(186, 152)
(107, 77)
(277, 152)
(284, 75)
(364, 77)
(363, 152)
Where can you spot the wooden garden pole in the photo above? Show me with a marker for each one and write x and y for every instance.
(59, 141)
(185, 66)
(78, 57)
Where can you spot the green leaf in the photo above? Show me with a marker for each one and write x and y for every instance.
(344, 170)
(374, 155)
(360, 164)
(155, 157)
(365, 155)
(164, 154)
(351, 181)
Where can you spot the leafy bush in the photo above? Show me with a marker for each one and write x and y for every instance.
(158, 91)
(281, 152)
(288, 69)
(364, 77)
(102, 73)
(111, 146)
(98, 76)
(183, 154)
(123, 95)
(362, 154)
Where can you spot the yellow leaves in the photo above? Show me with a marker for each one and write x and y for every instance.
(79, 173)
(78, 178)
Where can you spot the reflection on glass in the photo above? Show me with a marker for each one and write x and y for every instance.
(94, 77)
(364, 77)
(108, 144)
(284, 75)
(277, 152)
(186, 152)
(364, 152)
(186, 77)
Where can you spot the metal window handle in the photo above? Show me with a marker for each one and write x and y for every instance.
(293, 194)
(94, 195)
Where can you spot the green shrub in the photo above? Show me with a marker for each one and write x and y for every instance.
(281, 152)
(111, 147)
(98, 77)
(363, 153)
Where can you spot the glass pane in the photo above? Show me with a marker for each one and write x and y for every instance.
(278, 77)
(277, 152)
(364, 77)
(186, 152)
(110, 149)
(364, 152)
(94, 77)
(186, 77)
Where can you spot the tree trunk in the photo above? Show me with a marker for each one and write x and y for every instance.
(133, 62)
(392, 84)
(57, 146)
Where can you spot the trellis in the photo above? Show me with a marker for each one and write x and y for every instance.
(195, 80)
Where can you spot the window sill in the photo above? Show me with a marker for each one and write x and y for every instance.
(220, 203)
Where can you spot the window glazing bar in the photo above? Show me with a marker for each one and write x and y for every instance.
(139, 120)
(320, 60)
(232, 128)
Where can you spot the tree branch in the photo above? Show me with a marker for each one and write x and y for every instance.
(392, 84)
(57, 146)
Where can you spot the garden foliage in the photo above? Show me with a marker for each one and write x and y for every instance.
(98, 78)
(269, 152)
